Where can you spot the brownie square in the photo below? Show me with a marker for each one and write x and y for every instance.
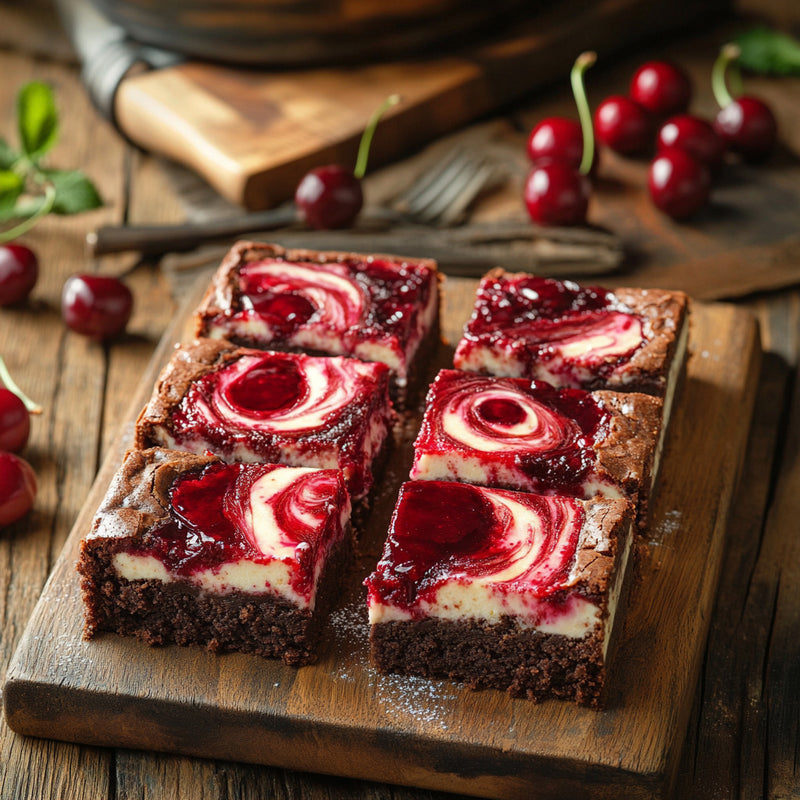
(629, 340)
(276, 407)
(501, 589)
(515, 433)
(373, 307)
(186, 549)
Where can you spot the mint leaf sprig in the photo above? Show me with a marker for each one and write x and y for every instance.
(769, 52)
(29, 190)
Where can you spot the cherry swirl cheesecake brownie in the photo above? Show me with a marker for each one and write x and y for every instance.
(372, 307)
(630, 340)
(186, 549)
(289, 408)
(515, 433)
(501, 589)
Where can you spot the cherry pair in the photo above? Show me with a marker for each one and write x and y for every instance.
(17, 479)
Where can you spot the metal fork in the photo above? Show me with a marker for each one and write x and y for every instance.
(439, 197)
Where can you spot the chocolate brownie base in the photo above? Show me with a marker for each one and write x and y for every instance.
(160, 613)
(523, 662)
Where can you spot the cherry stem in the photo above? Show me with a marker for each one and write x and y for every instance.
(724, 71)
(10, 384)
(366, 137)
(23, 227)
(582, 63)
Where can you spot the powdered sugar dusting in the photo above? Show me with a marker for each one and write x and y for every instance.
(351, 635)
(408, 700)
(667, 527)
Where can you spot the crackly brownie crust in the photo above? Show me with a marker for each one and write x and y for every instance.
(521, 660)
(223, 298)
(178, 612)
(628, 455)
(667, 315)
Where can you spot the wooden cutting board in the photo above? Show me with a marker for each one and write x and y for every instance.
(252, 134)
(340, 717)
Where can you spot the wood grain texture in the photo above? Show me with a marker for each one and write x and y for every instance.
(340, 717)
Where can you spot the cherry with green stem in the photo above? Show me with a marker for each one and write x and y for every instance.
(557, 192)
(15, 410)
(331, 196)
(746, 124)
(17, 488)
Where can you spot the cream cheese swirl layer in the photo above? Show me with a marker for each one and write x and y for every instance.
(277, 393)
(490, 417)
(457, 551)
(337, 300)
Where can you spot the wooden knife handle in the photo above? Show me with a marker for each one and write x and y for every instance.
(157, 239)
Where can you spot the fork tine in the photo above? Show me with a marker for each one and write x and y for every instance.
(454, 212)
(454, 194)
(433, 179)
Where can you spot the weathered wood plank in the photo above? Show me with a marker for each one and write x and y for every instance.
(65, 374)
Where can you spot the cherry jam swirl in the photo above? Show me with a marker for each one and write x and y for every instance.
(361, 299)
(548, 434)
(557, 321)
(269, 393)
(211, 518)
(443, 532)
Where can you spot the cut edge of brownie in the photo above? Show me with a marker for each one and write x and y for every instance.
(179, 612)
(223, 290)
(521, 660)
(631, 452)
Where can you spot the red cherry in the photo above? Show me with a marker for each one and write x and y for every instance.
(17, 488)
(748, 127)
(679, 185)
(97, 306)
(661, 88)
(556, 139)
(557, 194)
(623, 125)
(19, 271)
(694, 135)
(329, 197)
(15, 421)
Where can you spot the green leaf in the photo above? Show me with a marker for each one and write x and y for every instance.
(8, 155)
(11, 186)
(769, 52)
(74, 191)
(37, 119)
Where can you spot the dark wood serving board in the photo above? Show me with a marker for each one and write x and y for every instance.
(340, 717)
(252, 133)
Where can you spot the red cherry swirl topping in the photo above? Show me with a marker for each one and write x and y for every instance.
(269, 393)
(363, 298)
(211, 519)
(443, 532)
(545, 432)
(558, 323)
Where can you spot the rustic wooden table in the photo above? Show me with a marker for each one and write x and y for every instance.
(744, 734)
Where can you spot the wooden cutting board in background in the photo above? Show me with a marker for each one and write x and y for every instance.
(252, 134)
